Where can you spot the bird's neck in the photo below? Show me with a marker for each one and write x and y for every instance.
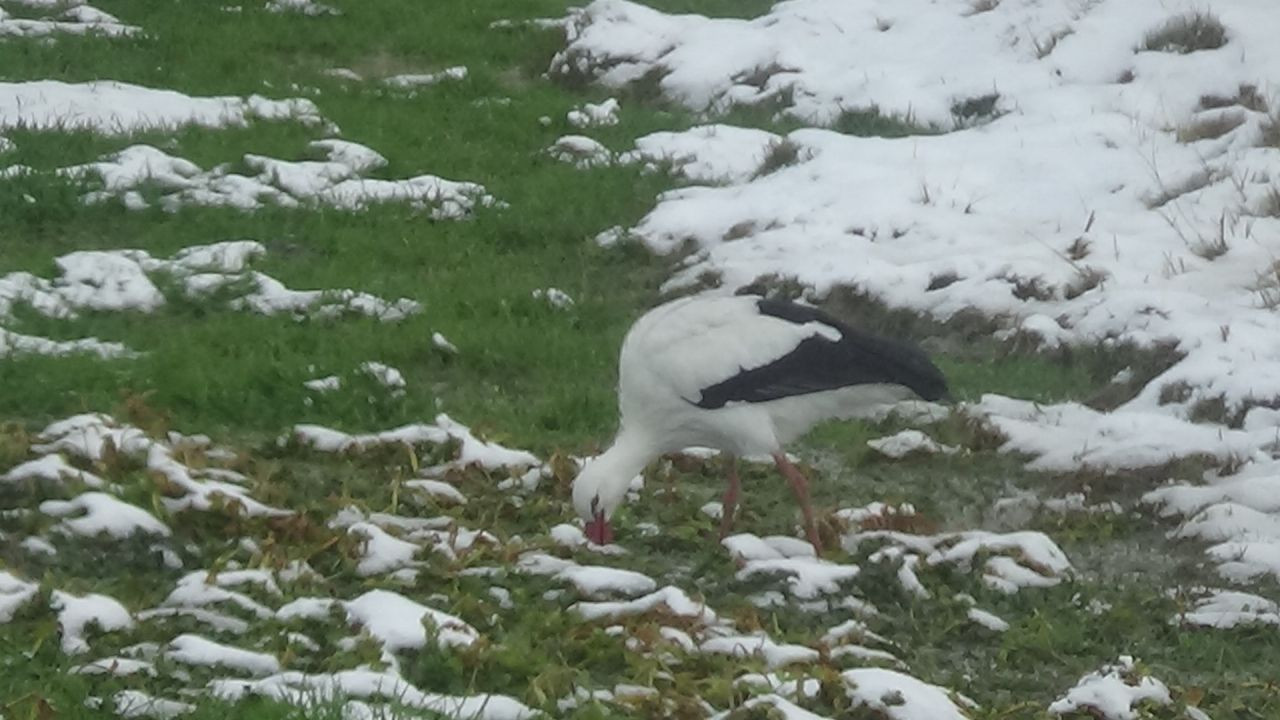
(615, 467)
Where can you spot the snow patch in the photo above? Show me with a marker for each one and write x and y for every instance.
(339, 181)
(555, 297)
(1113, 692)
(88, 435)
(196, 650)
(14, 593)
(76, 614)
(115, 108)
(103, 515)
(74, 20)
(423, 79)
(909, 442)
(472, 450)
(581, 151)
(121, 280)
(301, 7)
(594, 114)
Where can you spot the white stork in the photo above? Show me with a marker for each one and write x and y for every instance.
(745, 375)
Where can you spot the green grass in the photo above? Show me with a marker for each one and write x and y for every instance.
(537, 653)
(527, 375)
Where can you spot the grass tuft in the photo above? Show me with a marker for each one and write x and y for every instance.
(1086, 279)
(1210, 128)
(870, 122)
(740, 230)
(974, 110)
(1247, 97)
(942, 280)
(1271, 132)
(1270, 206)
(977, 7)
(1079, 248)
(1212, 248)
(1187, 34)
(1045, 48)
(1193, 182)
(759, 76)
(780, 154)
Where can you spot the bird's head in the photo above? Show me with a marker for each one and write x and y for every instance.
(597, 491)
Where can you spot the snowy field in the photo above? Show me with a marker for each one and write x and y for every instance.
(308, 317)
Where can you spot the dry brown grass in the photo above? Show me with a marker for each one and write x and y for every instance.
(1271, 132)
(1045, 47)
(1211, 127)
(977, 7)
(1190, 184)
(1247, 97)
(780, 153)
(740, 230)
(1187, 34)
(1087, 278)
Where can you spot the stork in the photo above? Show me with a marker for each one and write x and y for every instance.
(745, 375)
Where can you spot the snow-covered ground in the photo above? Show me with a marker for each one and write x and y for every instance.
(1117, 188)
(70, 18)
(229, 601)
(1083, 180)
(121, 281)
(117, 108)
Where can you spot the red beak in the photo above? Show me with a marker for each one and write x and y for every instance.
(598, 530)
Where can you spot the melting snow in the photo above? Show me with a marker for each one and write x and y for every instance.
(1240, 513)
(1226, 609)
(88, 435)
(1114, 692)
(899, 696)
(441, 342)
(1012, 560)
(338, 181)
(137, 704)
(412, 81)
(382, 552)
(581, 151)
(555, 297)
(120, 280)
(14, 593)
(327, 384)
(1076, 200)
(988, 620)
(110, 107)
(303, 689)
(396, 621)
(472, 450)
(438, 489)
(302, 7)
(385, 375)
(593, 114)
(74, 20)
(775, 655)
(807, 575)
(53, 468)
(589, 580)
(195, 650)
(103, 514)
(115, 666)
(669, 599)
(908, 442)
(76, 614)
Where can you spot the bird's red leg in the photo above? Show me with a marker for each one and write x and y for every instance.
(800, 486)
(730, 501)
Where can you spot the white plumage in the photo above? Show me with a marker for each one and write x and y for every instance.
(746, 376)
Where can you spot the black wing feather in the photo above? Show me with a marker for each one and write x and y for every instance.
(818, 364)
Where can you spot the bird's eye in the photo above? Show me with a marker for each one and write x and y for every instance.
(595, 502)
